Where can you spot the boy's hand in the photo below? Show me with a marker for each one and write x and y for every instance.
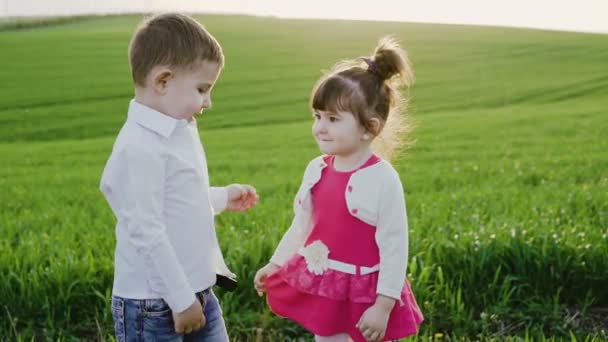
(191, 319)
(241, 197)
(260, 277)
(374, 320)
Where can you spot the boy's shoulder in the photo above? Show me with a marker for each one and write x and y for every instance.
(138, 142)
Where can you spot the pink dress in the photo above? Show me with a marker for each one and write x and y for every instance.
(333, 302)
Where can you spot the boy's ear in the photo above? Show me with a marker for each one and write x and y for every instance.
(160, 79)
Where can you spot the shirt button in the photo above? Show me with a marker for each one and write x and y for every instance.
(355, 211)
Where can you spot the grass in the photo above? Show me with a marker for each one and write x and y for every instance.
(506, 186)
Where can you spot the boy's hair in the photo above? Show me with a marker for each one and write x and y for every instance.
(370, 88)
(170, 39)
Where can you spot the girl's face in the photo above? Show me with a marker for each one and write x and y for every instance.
(338, 133)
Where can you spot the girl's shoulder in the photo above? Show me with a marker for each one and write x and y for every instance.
(383, 170)
(319, 161)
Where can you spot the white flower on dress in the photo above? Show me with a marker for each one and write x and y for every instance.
(316, 256)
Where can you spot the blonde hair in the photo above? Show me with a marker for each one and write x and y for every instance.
(370, 88)
(171, 39)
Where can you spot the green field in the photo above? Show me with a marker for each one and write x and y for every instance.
(506, 185)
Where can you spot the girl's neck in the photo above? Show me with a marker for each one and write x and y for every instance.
(352, 161)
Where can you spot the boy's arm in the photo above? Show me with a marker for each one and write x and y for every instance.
(144, 198)
(392, 239)
(218, 196)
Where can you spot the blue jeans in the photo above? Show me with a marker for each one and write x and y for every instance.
(146, 320)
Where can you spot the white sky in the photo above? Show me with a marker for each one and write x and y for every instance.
(572, 15)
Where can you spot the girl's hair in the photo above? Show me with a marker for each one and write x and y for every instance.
(369, 88)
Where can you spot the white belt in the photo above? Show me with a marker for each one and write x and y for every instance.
(348, 268)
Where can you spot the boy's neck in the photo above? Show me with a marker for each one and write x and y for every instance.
(143, 96)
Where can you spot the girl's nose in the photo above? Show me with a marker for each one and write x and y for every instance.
(319, 127)
(207, 103)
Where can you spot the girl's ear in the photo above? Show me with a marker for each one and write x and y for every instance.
(160, 79)
(374, 126)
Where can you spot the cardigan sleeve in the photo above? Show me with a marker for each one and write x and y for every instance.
(301, 225)
(293, 239)
(392, 238)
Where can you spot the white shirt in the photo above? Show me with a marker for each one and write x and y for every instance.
(375, 196)
(157, 184)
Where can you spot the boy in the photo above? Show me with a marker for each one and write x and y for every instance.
(156, 182)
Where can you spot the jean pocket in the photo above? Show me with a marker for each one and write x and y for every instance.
(118, 314)
(156, 307)
(202, 298)
(158, 323)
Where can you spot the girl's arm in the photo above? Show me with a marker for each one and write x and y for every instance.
(392, 238)
(293, 239)
(301, 225)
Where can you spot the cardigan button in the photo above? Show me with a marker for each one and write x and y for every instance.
(350, 188)
(355, 211)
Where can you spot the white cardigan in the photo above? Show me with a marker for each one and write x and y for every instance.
(375, 196)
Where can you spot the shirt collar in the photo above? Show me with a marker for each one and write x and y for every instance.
(153, 120)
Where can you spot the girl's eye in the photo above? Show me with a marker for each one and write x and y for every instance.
(200, 90)
(317, 117)
(333, 119)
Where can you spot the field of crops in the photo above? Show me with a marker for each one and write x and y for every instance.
(506, 184)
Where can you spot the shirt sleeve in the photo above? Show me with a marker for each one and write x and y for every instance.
(144, 199)
(392, 239)
(219, 199)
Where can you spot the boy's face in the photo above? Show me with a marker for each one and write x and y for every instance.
(188, 91)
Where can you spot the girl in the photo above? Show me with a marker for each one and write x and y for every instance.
(339, 270)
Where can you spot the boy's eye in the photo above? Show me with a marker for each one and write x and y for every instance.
(317, 117)
(333, 119)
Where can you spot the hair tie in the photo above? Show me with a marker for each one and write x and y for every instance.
(372, 66)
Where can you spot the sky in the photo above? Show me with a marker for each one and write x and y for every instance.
(567, 15)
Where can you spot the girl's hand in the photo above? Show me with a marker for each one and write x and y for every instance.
(260, 277)
(241, 197)
(374, 320)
